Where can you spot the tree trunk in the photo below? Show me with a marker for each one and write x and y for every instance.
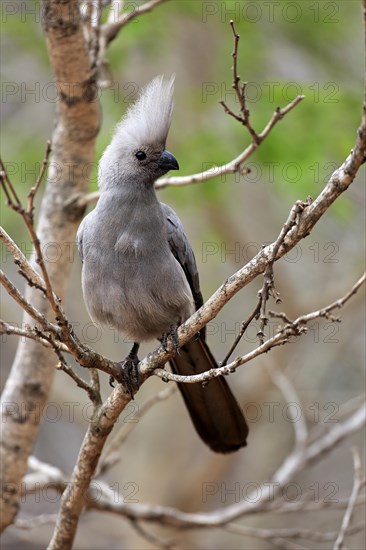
(73, 149)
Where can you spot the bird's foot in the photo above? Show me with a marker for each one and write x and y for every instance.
(129, 373)
(173, 335)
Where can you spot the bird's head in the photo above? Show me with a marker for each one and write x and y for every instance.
(137, 154)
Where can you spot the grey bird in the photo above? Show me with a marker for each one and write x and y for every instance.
(139, 272)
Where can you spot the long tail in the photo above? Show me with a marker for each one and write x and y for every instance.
(213, 408)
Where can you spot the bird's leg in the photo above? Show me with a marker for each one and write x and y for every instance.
(129, 371)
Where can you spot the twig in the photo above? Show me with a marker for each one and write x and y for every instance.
(268, 284)
(305, 505)
(290, 395)
(25, 267)
(243, 118)
(7, 186)
(293, 463)
(25, 305)
(295, 328)
(110, 29)
(290, 533)
(64, 337)
(357, 483)
(324, 312)
(94, 395)
(241, 333)
(34, 189)
(152, 539)
(37, 521)
(27, 215)
(231, 167)
(32, 333)
(45, 475)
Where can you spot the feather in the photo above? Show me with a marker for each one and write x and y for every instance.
(147, 121)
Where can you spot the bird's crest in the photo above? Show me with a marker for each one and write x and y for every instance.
(147, 121)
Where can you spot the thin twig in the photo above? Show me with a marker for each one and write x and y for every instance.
(268, 284)
(31, 332)
(290, 533)
(295, 328)
(231, 167)
(290, 394)
(357, 483)
(110, 29)
(34, 522)
(152, 539)
(27, 215)
(34, 189)
(25, 305)
(94, 396)
(244, 117)
(8, 186)
(299, 459)
(241, 333)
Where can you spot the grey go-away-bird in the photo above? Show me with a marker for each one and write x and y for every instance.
(139, 272)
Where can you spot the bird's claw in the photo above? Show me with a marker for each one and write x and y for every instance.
(173, 335)
(129, 375)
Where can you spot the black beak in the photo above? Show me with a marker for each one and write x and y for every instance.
(167, 161)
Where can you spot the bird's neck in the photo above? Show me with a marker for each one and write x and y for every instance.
(130, 194)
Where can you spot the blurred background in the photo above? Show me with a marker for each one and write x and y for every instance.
(286, 48)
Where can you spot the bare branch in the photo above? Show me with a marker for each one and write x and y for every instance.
(152, 539)
(27, 215)
(45, 475)
(290, 395)
(299, 459)
(231, 167)
(7, 186)
(34, 189)
(64, 339)
(324, 312)
(295, 328)
(94, 395)
(32, 333)
(25, 267)
(234, 165)
(305, 534)
(357, 484)
(110, 30)
(245, 324)
(37, 521)
(243, 118)
(25, 305)
(42, 475)
(268, 288)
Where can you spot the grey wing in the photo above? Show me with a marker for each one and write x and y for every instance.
(183, 253)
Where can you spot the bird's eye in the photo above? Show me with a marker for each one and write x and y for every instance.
(140, 155)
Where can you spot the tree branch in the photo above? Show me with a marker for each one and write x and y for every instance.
(292, 328)
(110, 29)
(298, 459)
(73, 148)
(357, 484)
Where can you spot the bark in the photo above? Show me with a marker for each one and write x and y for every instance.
(73, 148)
